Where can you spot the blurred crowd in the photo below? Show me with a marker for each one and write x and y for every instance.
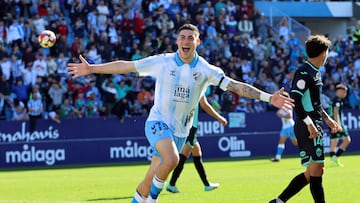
(235, 36)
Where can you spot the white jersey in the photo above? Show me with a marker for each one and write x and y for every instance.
(286, 122)
(179, 87)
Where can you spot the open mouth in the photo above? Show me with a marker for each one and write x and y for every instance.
(186, 49)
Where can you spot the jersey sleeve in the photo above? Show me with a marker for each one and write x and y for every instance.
(149, 66)
(299, 86)
(337, 104)
(218, 78)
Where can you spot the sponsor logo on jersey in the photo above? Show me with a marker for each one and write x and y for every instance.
(182, 94)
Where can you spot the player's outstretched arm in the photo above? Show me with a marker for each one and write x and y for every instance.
(246, 90)
(115, 67)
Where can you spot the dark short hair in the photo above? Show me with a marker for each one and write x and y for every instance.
(316, 44)
(341, 87)
(188, 26)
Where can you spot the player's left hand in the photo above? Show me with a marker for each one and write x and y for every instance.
(333, 125)
(223, 121)
(280, 101)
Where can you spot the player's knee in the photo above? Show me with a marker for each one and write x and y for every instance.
(348, 140)
(171, 161)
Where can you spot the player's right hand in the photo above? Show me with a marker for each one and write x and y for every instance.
(79, 69)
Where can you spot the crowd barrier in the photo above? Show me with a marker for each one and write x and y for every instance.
(98, 141)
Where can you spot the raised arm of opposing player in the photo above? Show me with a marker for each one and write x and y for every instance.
(211, 111)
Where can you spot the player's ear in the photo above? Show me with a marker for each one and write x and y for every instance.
(198, 41)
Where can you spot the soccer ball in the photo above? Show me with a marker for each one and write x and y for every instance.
(47, 38)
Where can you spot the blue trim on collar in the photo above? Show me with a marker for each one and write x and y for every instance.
(192, 64)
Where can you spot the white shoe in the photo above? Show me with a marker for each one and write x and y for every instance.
(212, 186)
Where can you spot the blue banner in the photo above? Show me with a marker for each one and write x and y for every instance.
(96, 141)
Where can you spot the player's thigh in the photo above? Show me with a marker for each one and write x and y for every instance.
(196, 151)
(186, 150)
(167, 149)
(315, 169)
(157, 131)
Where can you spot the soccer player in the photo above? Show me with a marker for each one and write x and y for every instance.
(335, 112)
(181, 79)
(192, 146)
(287, 130)
(306, 90)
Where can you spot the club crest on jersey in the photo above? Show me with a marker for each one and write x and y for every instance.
(300, 84)
(197, 75)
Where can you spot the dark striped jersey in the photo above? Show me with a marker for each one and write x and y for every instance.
(306, 90)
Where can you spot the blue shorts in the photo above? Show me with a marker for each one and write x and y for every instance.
(156, 131)
(288, 132)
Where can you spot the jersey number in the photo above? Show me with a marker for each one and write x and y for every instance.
(318, 141)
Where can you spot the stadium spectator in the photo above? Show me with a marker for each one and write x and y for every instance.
(61, 64)
(259, 106)
(76, 88)
(110, 94)
(6, 67)
(121, 109)
(246, 8)
(19, 112)
(35, 109)
(284, 28)
(242, 107)
(67, 110)
(164, 24)
(103, 13)
(145, 100)
(39, 23)
(5, 102)
(94, 107)
(168, 123)
(80, 104)
(356, 36)
(246, 27)
(40, 66)
(57, 94)
(231, 26)
(261, 25)
(21, 90)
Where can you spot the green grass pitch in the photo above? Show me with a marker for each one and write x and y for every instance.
(242, 181)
